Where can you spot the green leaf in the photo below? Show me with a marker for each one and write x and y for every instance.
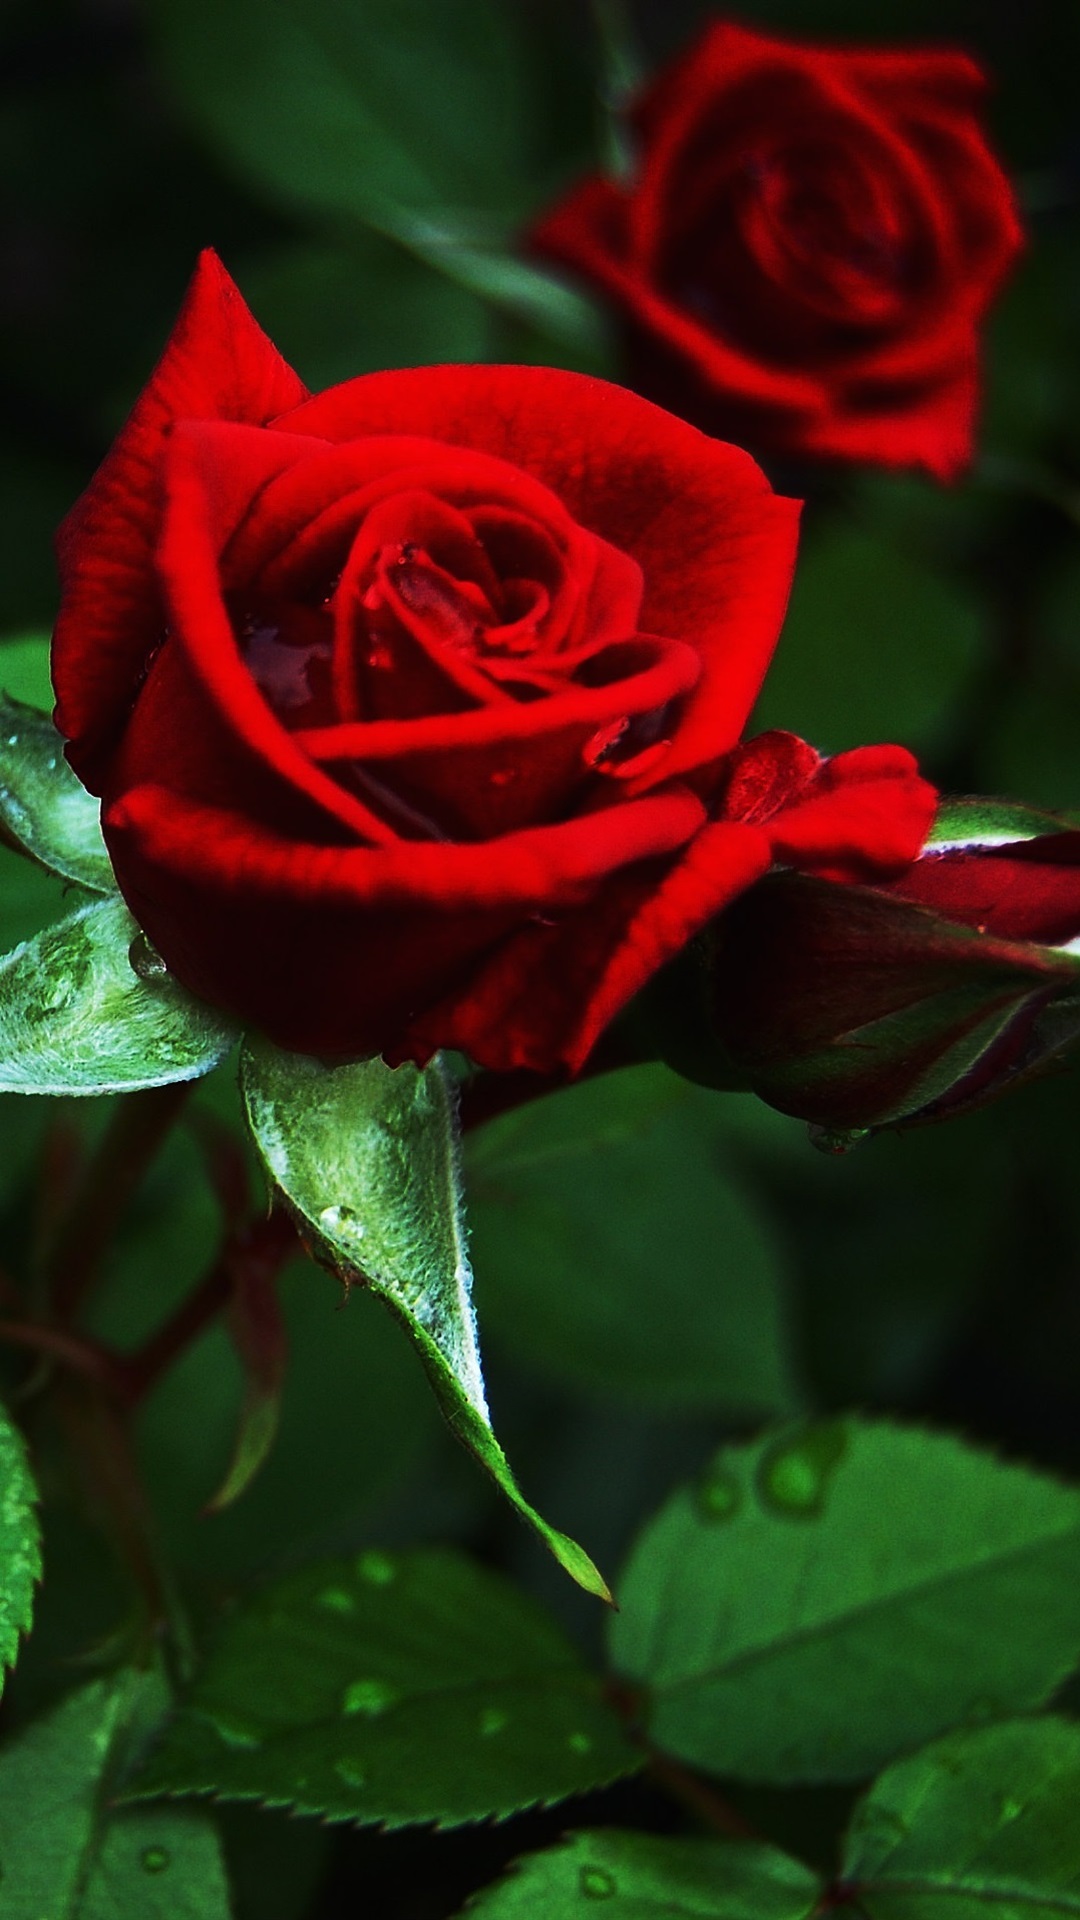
(65, 1854)
(831, 1595)
(24, 668)
(366, 1157)
(350, 110)
(640, 1877)
(43, 806)
(859, 600)
(349, 308)
(617, 1246)
(86, 1008)
(558, 311)
(393, 1688)
(984, 1821)
(20, 1543)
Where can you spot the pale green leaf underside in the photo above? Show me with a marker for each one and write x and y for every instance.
(366, 1156)
(640, 1877)
(64, 1855)
(830, 1596)
(391, 1688)
(43, 807)
(984, 1822)
(76, 1018)
(979, 823)
(20, 1545)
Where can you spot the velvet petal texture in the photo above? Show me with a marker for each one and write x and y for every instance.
(807, 245)
(415, 706)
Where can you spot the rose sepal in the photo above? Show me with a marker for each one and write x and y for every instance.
(365, 1158)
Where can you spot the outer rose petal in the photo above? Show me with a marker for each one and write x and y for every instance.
(339, 950)
(218, 365)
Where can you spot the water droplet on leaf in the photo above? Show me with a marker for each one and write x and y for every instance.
(337, 1600)
(351, 1772)
(493, 1720)
(719, 1495)
(794, 1473)
(368, 1696)
(378, 1568)
(235, 1734)
(579, 1743)
(597, 1883)
(145, 960)
(155, 1859)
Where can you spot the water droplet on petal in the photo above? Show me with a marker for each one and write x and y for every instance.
(351, 1772)
(145, 960)
(603, 743)
(369, 1696)
(503, 776)
(835, 1140)
(719, 1495)
(155, 1859)
(597, 1883)
(794, 1473)
(493, 1720)
(337, 1600)
(376, 1567)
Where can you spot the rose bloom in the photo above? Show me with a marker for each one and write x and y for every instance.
(915, 999)
(415, 707)
(806, 247)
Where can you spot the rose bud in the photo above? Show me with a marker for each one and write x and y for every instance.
(870, 1006)
(805, 247)
(415, 706)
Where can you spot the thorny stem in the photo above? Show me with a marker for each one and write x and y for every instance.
(132, 1137)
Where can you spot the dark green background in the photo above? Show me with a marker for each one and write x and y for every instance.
(319, 145)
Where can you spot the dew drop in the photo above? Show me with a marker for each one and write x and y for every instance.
(597, 1883)
(145, 961)
(378, 1568)
(351, 1772)
(341, 1220)
(493, 1720)
(368, 1696)
(579, 1743)
(835, 1141)
(155, 1859)
(234, 1734)
(794, 1473)
(503, 776)
(719, 1495)
(601, 745)
(337, 1600)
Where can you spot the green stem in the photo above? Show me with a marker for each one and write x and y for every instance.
(132, 1137)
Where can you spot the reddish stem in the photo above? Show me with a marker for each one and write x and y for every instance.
(79, 1354)
(274, 1238)
(131, 1139)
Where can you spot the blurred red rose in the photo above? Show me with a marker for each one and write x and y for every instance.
(870, 1006)
(414, 706)
(807, 246)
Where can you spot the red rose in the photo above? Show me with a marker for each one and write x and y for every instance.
(807, 246)
(912, 1000)
(413, 706)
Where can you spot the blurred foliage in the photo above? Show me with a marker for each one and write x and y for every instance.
(363, 169)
